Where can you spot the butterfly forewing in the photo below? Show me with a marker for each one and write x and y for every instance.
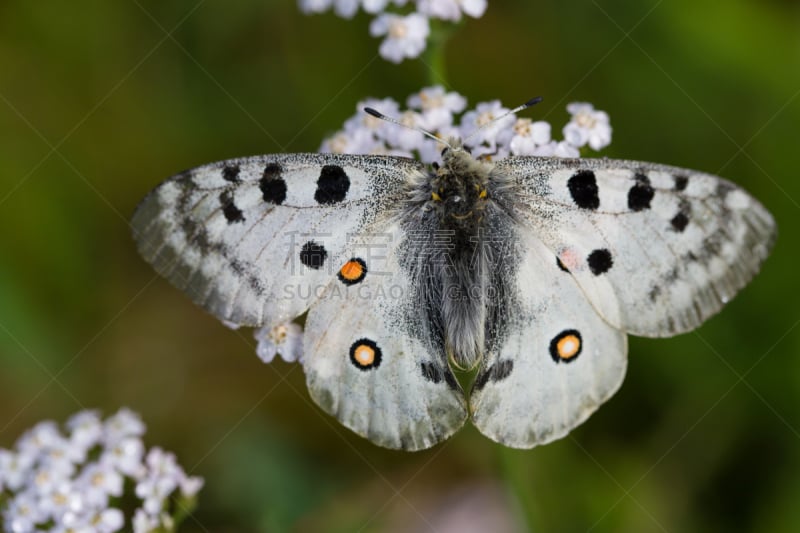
(656, 249)
(250, 239)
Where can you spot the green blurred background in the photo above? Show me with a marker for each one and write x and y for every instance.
(100, 101)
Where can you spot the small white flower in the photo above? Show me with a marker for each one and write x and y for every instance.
(98, 481)
(73, 524)
(154, 492)
(452, 9)
(587, 126)
(314, 6)
(109, 520)
(23, 513)
(556, 149)
(473, 8)
(63, 499)
(46, 478)
(339, 143)
(126, 456)
(143, 522)
(124, 423)
(62, 454)
(483, 121)
(39, 438)
(437, 106)
(285, 339)
(162, 464)
(405, 36)
(86, 428)
(15, 468)
(374, 6)
(565, 149)
(359, 141)
(431, 151)
(191, 485)
(345, 8)
(405, 137)
(102, 521)
(528, 135)
(362, 125)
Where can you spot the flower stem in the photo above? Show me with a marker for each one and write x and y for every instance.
(435, 57)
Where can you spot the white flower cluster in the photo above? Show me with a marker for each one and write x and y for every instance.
(439, 112)
(405, 35)
(51, 481)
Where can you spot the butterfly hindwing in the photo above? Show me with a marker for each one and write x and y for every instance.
(656, 249)
(556, 362)
(249, 239)
(366, 363)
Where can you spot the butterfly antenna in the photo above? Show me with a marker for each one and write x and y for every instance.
(530, 103)
(377, 114)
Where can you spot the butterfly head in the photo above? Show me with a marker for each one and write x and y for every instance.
(459, 187)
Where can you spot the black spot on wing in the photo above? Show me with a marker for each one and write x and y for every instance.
(242, 271)
(502, 369)
(481, 380)
(272, 184)
(232, 213)
(435, 373)
(237, 267)
(681, 218)
(724, 188)
(332, 185)
(679, 222)
(497, 372)
(713, 243)
(450, 379)
(654, 293)
(432, 372)
(600, 261)
(561, 265)
(681, 182)
(231, 173)
(313, 255)
(196, 234)
(641, 194)
(583, 189)
(671, 276)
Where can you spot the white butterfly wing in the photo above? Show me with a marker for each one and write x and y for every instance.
(656, 249)
(253, 239)
(368, 360)
(555, 363)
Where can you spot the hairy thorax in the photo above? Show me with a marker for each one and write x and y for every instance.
(462, 235)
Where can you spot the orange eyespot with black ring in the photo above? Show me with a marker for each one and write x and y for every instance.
(352, 272)
(566, 346)
(365, 354)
